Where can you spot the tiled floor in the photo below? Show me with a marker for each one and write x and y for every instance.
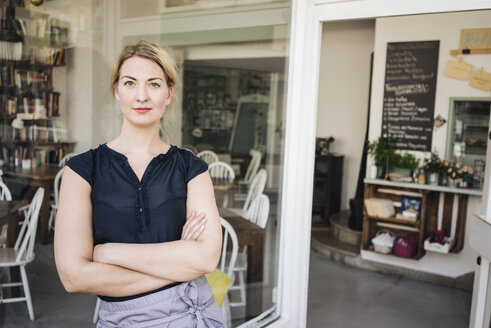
(339, 296)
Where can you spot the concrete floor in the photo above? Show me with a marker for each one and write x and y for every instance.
(339, 296)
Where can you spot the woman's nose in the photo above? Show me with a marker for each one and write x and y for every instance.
(141, 93)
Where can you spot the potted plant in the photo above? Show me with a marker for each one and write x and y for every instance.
(402, 166)
(455, 173)
(381, 151)
(407, 162)
(432, 167)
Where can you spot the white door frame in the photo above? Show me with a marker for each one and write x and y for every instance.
(300, 127)
(301, 113)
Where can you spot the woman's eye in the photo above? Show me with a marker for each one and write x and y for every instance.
(155, 85)
(129, 83)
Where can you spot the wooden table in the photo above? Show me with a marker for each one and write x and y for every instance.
(252, 236)
(43, 176)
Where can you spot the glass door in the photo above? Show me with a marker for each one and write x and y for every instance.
(467, 134)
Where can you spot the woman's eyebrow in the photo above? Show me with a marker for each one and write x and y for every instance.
(150, 79)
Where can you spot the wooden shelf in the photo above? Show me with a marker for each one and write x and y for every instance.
(394, 220)
(462, 191)
(438, 204)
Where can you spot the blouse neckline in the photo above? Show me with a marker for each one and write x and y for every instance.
(123, 156)
(147, 174)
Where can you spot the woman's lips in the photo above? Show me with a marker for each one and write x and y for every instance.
(142, 110)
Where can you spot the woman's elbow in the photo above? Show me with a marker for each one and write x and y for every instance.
(70, 282)
(210, 262)
(71, 278)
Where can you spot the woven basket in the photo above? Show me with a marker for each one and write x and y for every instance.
(383, 241)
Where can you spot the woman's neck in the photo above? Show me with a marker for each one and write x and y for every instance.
(139, 140)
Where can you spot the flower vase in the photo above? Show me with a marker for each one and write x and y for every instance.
(452, 183)
(444, 177)
(433, 178)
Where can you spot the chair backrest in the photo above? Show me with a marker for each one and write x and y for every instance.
(56, 186)
(256, 188)
(258, 212)
(229, 235)
(208, 156)
(221, 170)
(4, 192)
(27, 235)
(65, 159)
(253, 165)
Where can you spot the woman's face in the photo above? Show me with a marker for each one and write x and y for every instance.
(142, 91)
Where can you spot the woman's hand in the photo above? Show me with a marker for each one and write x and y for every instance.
(194, 227)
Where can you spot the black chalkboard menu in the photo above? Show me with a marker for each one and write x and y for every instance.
(409, 93)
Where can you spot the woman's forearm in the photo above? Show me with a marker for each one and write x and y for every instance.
(180, 260)
(109, 280)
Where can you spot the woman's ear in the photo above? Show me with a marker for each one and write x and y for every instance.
(116, 95)
(169, 96)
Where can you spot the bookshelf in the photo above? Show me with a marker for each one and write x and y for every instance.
(32, 45)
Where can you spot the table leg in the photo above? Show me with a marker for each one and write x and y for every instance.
(254, 295)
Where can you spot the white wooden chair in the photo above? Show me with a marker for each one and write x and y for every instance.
(23, 252)
(257, 213)
(4, 195)
(4, 192)
(222, 171)
(227, 263)
(255, 188)
(96, 310)
(223, 177)
(208, 156)
(253, 165)
(252, 170)
(228, 259)
(65, 159)
(54, 203)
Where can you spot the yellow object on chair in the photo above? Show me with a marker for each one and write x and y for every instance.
(219, 283)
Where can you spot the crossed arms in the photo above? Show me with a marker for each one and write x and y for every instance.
(118, 269)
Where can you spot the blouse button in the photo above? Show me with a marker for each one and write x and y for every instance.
(141, 209)
(140, 188)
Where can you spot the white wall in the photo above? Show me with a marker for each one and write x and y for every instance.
(446, 28)
(343, 94)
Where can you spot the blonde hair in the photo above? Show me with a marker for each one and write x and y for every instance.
(150, 51)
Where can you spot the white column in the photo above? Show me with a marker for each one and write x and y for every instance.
(296, 209)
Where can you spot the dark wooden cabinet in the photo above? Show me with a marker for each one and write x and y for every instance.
(328, 178)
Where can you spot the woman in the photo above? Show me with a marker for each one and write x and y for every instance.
(121, 227)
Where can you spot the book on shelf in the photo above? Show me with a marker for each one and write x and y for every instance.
(410, 207)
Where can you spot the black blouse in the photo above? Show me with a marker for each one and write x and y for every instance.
(127, 210)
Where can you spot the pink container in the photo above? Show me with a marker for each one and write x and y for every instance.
(405, 246)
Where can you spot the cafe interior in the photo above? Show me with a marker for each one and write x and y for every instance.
(231, 110)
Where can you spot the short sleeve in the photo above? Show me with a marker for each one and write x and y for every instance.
(82, 165)
(193, 164)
